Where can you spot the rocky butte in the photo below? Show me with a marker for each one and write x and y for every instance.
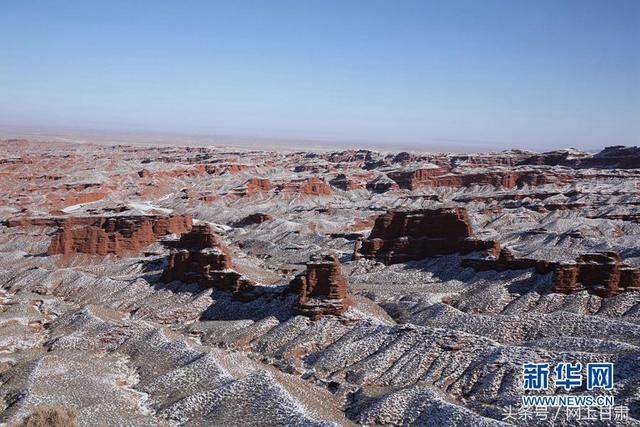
(203, 259)
(601, 273)
(312, 186)
(400, 236)
(412, 178)
(437, 177)
(322, 289)
(257, 185)
(116, 235)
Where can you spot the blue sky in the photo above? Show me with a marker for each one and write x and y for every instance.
(533, 74)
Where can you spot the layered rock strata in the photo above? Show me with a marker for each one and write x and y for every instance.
(258, 185)
(411, 179)
(322, 289)
(400, 236)
(117, 235)
(200, 257)
(315, 186)
(601, 273)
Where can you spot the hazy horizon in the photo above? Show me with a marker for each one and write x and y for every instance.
(155, 138)
(456, 76)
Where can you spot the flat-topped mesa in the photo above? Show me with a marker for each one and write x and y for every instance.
(115, 235)
(203, 259)
(322, 289)
(315, 186)
(601, 273)
(411, 179)
(253, 187)
(199, 237)
(312, 186)
(434, 176)
(258, 185)
(617, 156)
(400, 236)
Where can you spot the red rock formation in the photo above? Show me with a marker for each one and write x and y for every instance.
(315, 186)
(111, 235)
(258, 185)
(144, 173)
(439, 177)
(411, 179)
(629, 278)
(322, 289)
(505, 179)
(602, 273)
(199, 237)
(400, 236)
(202, 258)
(565, 278)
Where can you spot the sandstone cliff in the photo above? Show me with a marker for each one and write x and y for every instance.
(203, 259)
(116, 235)
(400, 236)
(322, 289)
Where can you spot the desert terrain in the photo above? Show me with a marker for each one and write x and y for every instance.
(184, 285)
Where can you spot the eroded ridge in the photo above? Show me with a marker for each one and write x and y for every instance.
(178, 285)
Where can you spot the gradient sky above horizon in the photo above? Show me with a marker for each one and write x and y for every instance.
(499, 74)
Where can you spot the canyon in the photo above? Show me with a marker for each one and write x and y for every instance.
(217, 285)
